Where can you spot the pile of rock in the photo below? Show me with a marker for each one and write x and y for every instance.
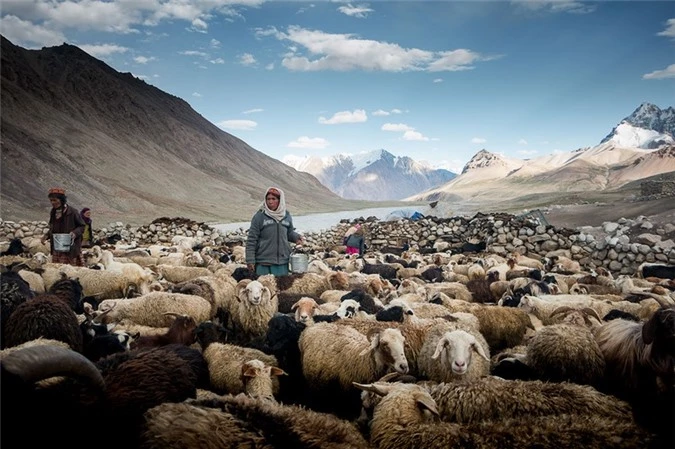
(610, 246)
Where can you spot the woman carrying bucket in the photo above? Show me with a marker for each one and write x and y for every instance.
(267, 247)
(65, 230)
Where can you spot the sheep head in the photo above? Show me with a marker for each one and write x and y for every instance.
(305, 309)
(253, 292)
(456, 348)
(387, 348)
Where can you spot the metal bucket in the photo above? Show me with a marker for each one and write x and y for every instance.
(299, 263)
(62, 242)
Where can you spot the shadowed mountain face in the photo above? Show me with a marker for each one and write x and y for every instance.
(126, 149)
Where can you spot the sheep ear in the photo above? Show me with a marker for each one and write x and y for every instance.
(373, 344)
(379, 389)
(649, 330)
(241, 294)
(267, 294)
(479, 349)
(442, 343)
(425, 402)
(295, 306)
(274, 371)
(248, 371)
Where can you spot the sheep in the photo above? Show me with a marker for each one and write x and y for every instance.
(657, 270)
(403, 420)
(311, 284)
(226, 361)
(256, 376)
(101, 283)
(119, 389)
(218, 290)
(566, 353)
(502, 327)
(241, 421)
(178, 274)
(304, 310)
(333, 356)
(493, 399)
(181, 331)
(640, 365)
(47, 316)
(454, 290)
(149, 310)
(455, 349)
(254, 308)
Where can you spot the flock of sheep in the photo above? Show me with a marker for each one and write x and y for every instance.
(181, 346)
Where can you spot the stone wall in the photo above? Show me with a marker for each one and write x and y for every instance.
(609, 246)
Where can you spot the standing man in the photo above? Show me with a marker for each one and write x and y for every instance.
(63, 219)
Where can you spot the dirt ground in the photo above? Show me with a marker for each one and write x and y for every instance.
(659, 212)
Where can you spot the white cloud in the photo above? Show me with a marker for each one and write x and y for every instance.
(243, 125)
(478, 140)
(269, 66)
(380, 112)
(143, 59)
(454, 166)
(215, 43)
(396, 127)
(197, 94)
(414, 135)
(555, 6)
(396, 111)
(247, 59)
(193, 53)
(251, 111)
(522, 142)
(438, 80)
(456, 60)
(359, 11)
(668, 72)
(28, 35)
(314, 50)
(310, 143)
(102, 50)
(670, 29)
(217, 61)
(357, 116)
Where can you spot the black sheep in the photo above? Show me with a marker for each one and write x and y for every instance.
(16, 248)
(366, 301)
(46, 316)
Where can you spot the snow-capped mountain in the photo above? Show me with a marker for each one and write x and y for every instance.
(647, 127)
(640, 146)
(375, 175)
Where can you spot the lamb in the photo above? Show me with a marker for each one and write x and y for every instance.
(240, 421)
(226, 361)
(403, 420)
(149, 310)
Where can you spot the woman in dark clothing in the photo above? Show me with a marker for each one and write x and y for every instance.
(87, 235)
(64, 220)
(267, 247)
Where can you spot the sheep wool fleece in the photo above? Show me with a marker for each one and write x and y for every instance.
(268, 239)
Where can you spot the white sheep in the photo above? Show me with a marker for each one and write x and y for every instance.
(331, 352)
(177, 274)
(254, 308)
(447, 356)
(149, 310)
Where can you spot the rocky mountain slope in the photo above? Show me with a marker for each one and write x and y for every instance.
(622, 157)
(126, 149)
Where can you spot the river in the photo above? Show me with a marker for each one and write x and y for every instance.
(325, 221)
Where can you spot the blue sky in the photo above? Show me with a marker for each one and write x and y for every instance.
(436, 81)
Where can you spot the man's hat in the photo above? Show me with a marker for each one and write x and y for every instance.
(57, 191)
